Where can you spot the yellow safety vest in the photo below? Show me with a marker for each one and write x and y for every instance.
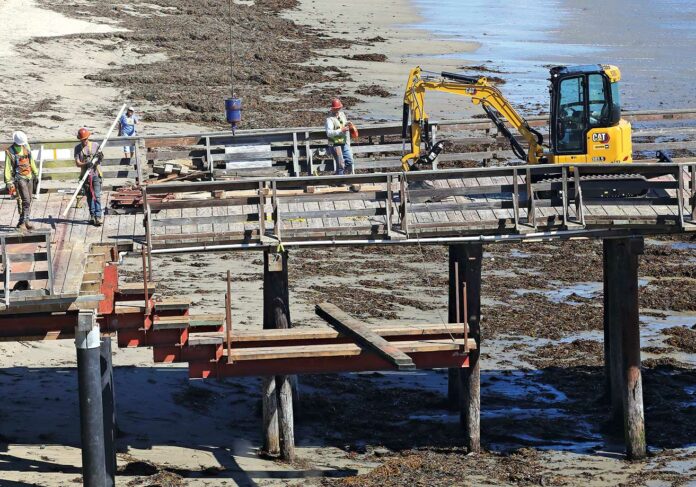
(339, 122)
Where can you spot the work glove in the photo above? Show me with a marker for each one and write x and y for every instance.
(100, 157)
(10, 188)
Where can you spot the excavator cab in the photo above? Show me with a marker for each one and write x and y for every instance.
(586, 123)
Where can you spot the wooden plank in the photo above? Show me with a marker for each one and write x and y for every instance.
(73, 274)
(343, 350)
(364, 336)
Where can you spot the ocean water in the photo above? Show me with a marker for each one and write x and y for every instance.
(652, 41)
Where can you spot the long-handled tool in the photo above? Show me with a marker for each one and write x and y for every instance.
(91, 162)
(37, 193)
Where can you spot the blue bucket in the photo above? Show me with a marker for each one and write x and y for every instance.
(233, 110)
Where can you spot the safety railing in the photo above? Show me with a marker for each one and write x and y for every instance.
(406, 206)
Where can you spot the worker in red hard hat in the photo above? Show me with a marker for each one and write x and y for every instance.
(87, 158)
(20, 173)
(337, 132)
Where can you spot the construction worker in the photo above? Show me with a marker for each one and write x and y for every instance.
(337, 131)
(126, 128)
(20, 172)
(87, 158)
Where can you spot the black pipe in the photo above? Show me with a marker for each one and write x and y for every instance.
(460, 77)
(109, 410)
(91, 415)
(404, 121)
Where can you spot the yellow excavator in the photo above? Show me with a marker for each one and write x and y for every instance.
(585, 116)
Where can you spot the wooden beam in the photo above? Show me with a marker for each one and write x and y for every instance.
(364, 336)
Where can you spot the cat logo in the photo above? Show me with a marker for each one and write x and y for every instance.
(601, 137)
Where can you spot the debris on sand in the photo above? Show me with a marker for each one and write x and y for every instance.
(374, 57)
(577, 353)
(192, 78)
(523, 467)
(373, 90)
(681, 338)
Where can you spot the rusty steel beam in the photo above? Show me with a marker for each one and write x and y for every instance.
(364, 362)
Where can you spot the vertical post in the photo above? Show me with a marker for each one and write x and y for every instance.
(433, 139)
(467, 258)
(579, 211)
(49, 263)
(140, 151)
(148, 233)
(90, 389)
(681, 186)
(108, 410)
(693, 192)
(295, 156)
(146, 282)
(276, 314)
(262, 208)
(564, 173)
(516, 198)
(228, 316)
(209, 158)
(624, 345)
(403, 195)
(607, 337)
(612, 325)
(308, 153)
(388, 206)
(531, 206)
(6, 271)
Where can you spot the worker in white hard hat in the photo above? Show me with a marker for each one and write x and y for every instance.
(20, 172)
(126, 128)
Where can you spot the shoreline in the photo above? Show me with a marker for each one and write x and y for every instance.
(404, 44)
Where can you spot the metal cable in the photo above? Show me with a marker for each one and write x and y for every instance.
(422, 254)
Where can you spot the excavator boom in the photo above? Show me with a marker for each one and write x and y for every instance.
(481, 92)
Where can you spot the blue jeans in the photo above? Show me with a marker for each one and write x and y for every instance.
(93, 191)
(343, 158)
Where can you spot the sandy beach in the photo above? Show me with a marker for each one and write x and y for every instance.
(544, 421)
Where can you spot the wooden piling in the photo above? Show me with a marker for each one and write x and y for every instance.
(467, 258)
(271, 432)
(612, 334)
(624, 339)
(276, 314)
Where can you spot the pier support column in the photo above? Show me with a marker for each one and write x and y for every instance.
(467, 258)
(109, 410)
(90, 389)
(276, 314)
(622, 320)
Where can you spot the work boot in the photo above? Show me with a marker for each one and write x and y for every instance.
(28, 225)
(93, 220)
(99, 221)
(21, 226)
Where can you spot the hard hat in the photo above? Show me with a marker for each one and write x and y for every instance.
(83, 134)
(20, 138)
(130, 109)
(336, 104)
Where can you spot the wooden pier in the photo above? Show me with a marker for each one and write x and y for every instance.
(71, 270)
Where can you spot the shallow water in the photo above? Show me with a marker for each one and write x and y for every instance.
(650, 40)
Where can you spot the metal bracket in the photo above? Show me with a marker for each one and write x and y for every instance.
(275, 262)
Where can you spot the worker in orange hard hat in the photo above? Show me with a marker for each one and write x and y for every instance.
(337, 132)
(87, 158)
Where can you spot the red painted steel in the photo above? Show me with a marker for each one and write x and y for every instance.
(364, 362)
(108, 288)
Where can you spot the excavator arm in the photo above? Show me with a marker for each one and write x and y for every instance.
(481, 93)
